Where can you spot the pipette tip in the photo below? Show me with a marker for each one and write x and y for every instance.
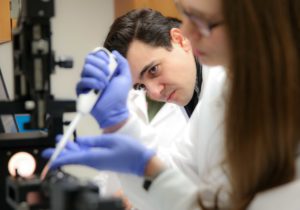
(44, 171)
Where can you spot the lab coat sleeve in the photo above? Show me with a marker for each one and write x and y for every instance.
(170, 190)
(183, 158)
(132, 185)
(173, 190)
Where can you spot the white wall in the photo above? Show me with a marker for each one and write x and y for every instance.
(78, 27)
(6, 65)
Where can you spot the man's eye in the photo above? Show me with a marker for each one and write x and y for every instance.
(139, 86)
(153, 70)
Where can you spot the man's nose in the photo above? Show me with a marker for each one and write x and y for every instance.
(154, 90)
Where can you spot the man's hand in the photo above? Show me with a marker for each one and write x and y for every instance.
(111, 109)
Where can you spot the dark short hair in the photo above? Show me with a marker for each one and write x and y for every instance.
(146, 25)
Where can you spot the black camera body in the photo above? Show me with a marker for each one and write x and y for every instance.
(59, 191)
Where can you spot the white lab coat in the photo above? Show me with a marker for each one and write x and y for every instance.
(199, 156)
(168, 123)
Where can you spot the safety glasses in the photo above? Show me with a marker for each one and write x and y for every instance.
(204, 28)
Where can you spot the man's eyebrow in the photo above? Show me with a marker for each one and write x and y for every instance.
(148, 66)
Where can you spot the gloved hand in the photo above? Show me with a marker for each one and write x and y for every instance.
(112, 152)
(111, 108)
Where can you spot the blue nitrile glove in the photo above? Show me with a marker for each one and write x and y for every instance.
(112, 152)
(111, 108)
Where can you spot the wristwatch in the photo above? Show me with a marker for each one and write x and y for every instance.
(148, 180)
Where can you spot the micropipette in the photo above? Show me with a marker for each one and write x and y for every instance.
(85, 104)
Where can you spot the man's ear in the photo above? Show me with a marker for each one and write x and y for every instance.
(178, 38)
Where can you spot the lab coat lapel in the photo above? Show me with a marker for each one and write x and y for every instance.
(165, 113)
(138, 104)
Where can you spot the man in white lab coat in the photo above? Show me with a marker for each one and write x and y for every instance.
(160, 65)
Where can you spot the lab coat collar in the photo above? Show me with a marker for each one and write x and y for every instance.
(165, 112)
(138, 104)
